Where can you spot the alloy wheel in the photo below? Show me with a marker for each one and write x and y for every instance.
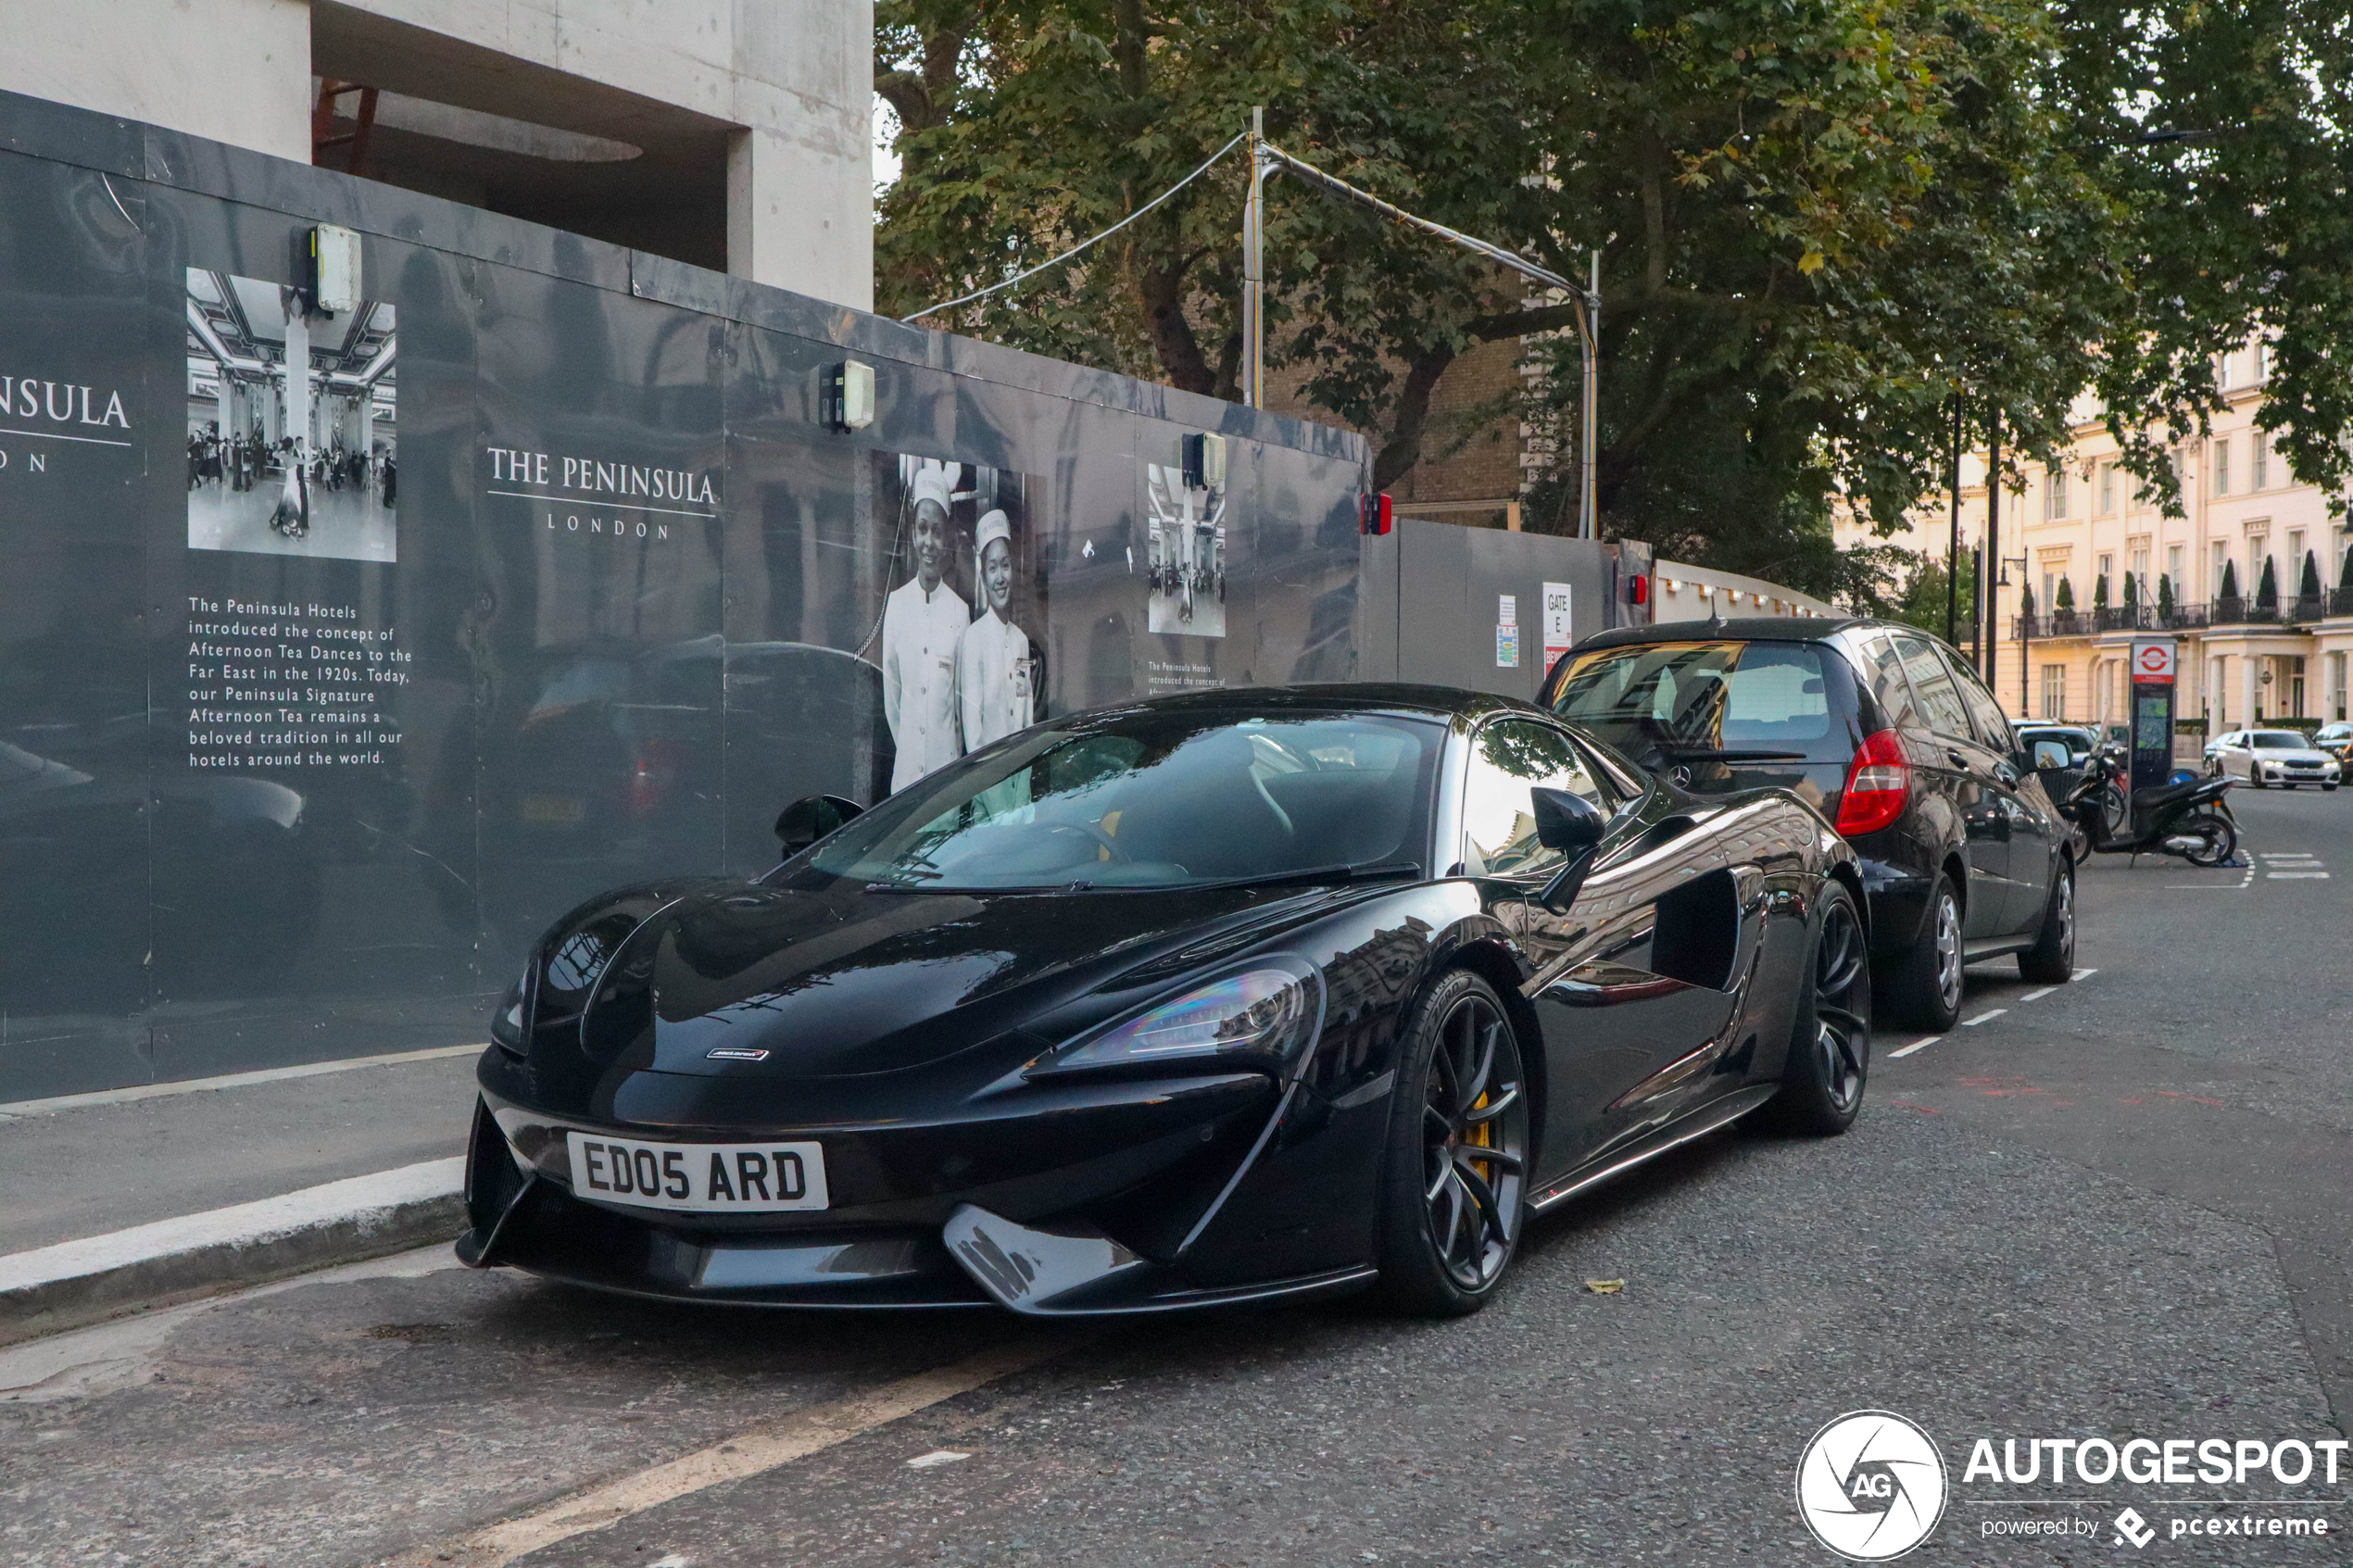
(1948, 951)
(1842, 1035)
(2066, 894)
(1473, 1143)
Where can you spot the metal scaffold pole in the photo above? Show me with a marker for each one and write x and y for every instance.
(1254, 268)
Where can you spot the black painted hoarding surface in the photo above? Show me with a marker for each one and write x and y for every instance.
(320, 696)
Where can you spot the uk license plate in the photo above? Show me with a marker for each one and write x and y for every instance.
(702, 1178)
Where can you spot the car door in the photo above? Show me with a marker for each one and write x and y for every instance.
(1951, 763)
(2029, 822)
(1614, 1017)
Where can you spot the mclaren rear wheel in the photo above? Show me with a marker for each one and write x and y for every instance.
(1455, 1171)
(1829, 1052)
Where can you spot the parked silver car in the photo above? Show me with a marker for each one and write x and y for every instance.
(2264, 757)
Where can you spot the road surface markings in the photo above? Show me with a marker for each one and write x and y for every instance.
(1914, 1045)
(2297, 876)
(751, 1453)
(2085, 974)
(1983, 1017)
(226, 1081)
(2038, 996)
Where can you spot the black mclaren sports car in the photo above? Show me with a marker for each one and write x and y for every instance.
(1206, 999)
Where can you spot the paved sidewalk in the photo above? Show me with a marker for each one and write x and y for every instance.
(126, 1199)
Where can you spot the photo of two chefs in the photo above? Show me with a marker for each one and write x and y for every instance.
(953, 680)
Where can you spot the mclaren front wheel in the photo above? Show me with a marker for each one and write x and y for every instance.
(1455, 1174)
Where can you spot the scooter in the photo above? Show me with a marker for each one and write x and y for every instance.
(2189, 819)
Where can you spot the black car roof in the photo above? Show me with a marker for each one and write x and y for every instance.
(1745, 628)
(1361, 696)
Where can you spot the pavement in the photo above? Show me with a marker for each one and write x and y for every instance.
(2115, 1208)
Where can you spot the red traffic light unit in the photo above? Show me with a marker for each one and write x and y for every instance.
(1374, 514)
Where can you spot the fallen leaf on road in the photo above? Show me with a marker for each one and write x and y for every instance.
(1605, 1287)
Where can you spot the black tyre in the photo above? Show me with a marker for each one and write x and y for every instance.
(1829, 1050)
(1923, 988)
(2051, 961)
(1455, 1171)
(2209, 838)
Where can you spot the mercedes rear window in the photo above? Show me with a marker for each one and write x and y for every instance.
(1657, 698)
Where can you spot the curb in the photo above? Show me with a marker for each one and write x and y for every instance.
(74, 1284)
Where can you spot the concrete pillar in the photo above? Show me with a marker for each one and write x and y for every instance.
(794, 224)
(2248, 664)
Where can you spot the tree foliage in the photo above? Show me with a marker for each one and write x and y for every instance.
(1825, 225)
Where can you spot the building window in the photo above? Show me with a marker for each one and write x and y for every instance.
(2214, 571)
(2174, 567)
(2107, 489)
(2261, 355)
(2259, 461)
(2055, 691)
(2222, 465)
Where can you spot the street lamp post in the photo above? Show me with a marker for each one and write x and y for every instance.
(2025, 636)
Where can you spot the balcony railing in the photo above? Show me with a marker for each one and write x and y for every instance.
(2341, 601)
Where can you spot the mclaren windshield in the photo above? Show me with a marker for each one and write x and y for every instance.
(1153, 799)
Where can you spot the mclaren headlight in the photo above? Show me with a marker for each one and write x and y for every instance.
(1264, 1014)
(507, 1021)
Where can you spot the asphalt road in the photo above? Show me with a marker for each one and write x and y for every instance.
(2115, 1209)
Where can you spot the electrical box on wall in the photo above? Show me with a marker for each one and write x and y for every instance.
(1203, 460)
(846, 401)
(332, 271)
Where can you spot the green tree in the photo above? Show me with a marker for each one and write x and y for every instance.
(2132, 591)
(2230, 589)
(1823, 224)
(2267, 587)
(1916, 596)
(2099, 591)
(2165, 596)
(2309, 586)
(2064, 600)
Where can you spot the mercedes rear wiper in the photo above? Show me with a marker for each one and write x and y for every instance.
(1713, 753)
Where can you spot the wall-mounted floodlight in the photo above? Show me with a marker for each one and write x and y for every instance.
(845, 396)
(330, 269)
(1202, 458)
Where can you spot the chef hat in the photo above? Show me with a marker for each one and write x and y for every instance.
(933, 481)
(992, 526)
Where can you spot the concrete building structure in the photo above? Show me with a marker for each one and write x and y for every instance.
(2130, 571)
(732, 135)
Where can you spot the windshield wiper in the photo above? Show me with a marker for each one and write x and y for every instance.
(1343, 872)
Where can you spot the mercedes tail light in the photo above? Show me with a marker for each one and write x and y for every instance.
(652, 776)
(1878, 784)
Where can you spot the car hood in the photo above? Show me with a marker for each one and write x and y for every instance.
(841, 982)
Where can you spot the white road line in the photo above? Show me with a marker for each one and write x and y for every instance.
(751, 1453)
(2085, 974)
(357, 1198)
(1983, 1017)
(1915, 1046)
(2038, 996)
(2285, 855)
(2296, 876)
(226, 1081)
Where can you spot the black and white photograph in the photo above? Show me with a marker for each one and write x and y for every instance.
(963, 627)
(1187, 552)
(281, 464)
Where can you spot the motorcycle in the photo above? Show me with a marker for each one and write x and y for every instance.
(2189, 820)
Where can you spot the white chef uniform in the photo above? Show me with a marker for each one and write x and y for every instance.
(992, 662)
(918, 635)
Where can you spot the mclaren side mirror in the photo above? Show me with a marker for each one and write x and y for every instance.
(2050, 756)
(811, 818)
(1566, 819)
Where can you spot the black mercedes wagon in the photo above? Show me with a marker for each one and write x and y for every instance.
(1892, 737)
